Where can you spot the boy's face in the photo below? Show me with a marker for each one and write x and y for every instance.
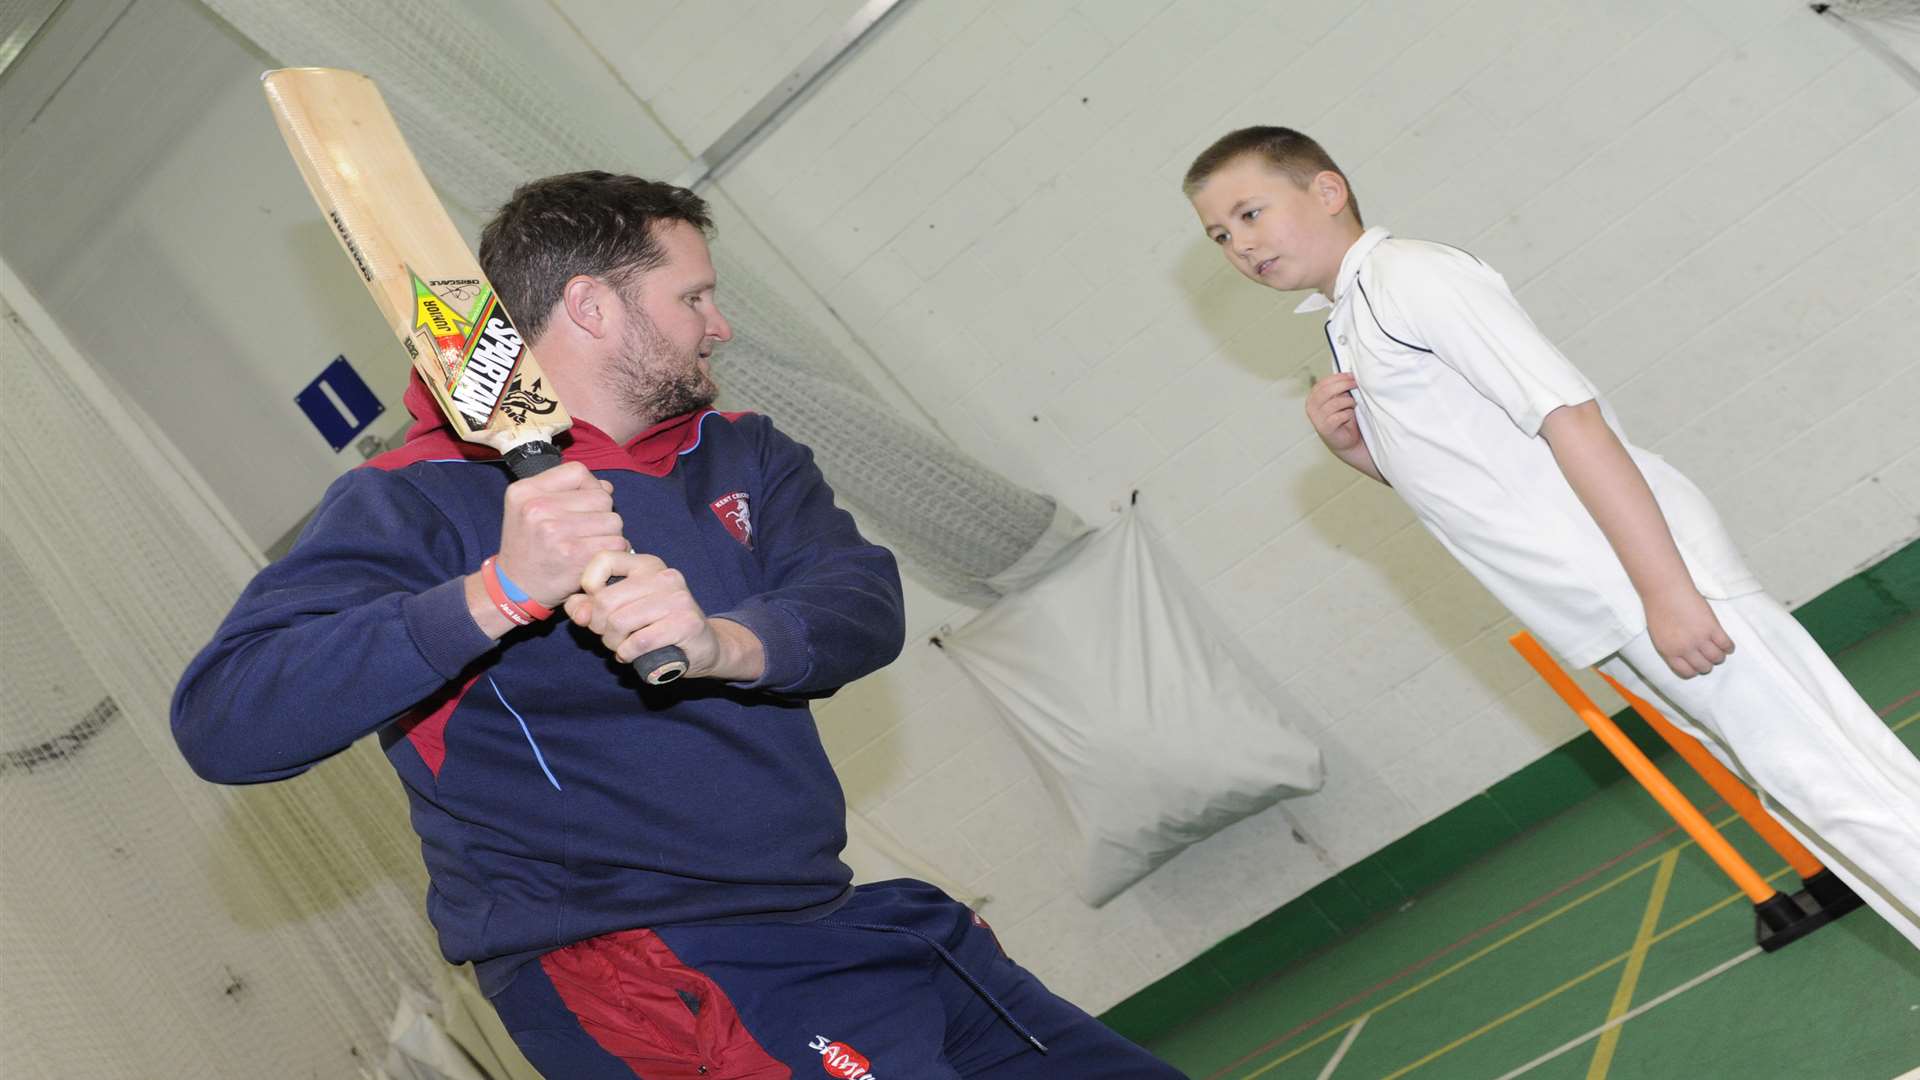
(1274, 231)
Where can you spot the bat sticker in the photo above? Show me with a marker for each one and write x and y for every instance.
(447, 331)
(478, 347)
(524, 400)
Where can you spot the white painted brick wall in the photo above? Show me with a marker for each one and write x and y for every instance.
(1714, 205)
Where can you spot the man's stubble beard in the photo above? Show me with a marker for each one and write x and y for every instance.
(650, 380)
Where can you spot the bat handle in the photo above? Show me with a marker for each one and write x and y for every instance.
(531, 458)
(662, 665)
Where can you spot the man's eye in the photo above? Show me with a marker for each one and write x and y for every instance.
(1219, 238)
(1249, 215)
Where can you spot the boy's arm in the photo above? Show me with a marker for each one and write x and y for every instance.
(1330, 409)
(1679, 621)
(1460, 310)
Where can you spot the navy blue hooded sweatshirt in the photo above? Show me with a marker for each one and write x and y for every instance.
(557, 797)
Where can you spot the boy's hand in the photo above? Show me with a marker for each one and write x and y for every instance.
(1330, 409)
(1686, 633)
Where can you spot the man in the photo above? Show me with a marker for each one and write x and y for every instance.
(647, 879)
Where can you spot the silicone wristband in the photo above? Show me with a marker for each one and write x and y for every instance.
(518, 596)
(523, 612)
(514, 592)
(500, 602)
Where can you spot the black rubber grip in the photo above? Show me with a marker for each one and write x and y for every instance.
(662, 665)
(531, 458)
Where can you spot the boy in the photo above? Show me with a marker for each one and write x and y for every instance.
(1446, 391)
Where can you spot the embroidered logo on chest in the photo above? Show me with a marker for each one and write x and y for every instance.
(731, 509)
(841, 1060)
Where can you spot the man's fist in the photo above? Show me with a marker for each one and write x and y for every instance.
(637, 604)
(553, 526)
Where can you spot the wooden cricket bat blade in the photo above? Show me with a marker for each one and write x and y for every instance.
(414, 262)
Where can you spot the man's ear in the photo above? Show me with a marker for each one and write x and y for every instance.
(587, 301)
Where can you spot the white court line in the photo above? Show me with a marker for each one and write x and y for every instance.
(1914, 1075)
(1346, 1043)
(1636, 1011)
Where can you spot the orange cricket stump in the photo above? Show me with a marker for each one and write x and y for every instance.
(1820, 884)
(1779, 919)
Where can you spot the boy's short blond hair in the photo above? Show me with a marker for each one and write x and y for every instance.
(1285, 149)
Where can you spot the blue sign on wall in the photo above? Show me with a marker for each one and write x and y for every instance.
(339, 403)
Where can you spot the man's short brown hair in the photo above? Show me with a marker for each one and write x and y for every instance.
(596, 223)
(1285, 149)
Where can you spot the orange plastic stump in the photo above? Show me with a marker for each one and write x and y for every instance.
(1779, 919)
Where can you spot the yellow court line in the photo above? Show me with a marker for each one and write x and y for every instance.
(1575, 981)
(1908, 720)
(1636, 961)
(1446, 971)
(1508, 940)
(1500, 1020)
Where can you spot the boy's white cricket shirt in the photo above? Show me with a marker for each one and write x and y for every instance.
(1454, 381)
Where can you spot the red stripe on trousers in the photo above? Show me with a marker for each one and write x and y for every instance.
(625, 988)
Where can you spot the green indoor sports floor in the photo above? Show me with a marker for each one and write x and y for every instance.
(1605, 912)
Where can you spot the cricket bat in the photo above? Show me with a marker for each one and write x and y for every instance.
(423, 278)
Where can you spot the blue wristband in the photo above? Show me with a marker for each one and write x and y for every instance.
(514, 592)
